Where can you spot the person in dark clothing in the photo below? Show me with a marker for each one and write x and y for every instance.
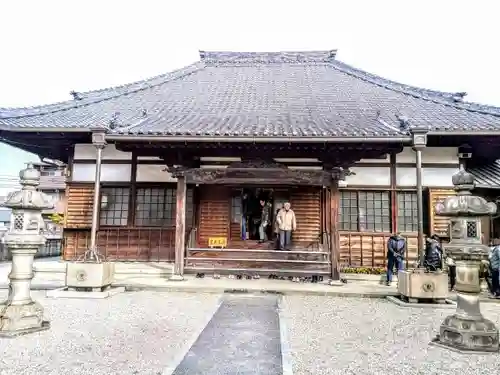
(264, 220)
(494, 259)
(396, 247)
(433, 254)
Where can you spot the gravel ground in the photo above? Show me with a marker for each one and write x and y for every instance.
(369, 336)
(130, 333)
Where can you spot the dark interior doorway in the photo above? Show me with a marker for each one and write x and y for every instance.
(252, 210)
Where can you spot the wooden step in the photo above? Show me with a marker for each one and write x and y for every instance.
(255, 271)
(258, 254)
(256, 260)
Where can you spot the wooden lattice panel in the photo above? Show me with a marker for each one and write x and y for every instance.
(358, 249)
(79, 202)
(438, 224)
(307, 207)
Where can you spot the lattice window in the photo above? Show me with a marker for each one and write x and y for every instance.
(472, 229)
(18, 222)
(407, 211)
(114, 206)
(374, 211)
(155, 207)
(348, 211)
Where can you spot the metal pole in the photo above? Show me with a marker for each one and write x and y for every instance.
(420, 206)
(97, 198)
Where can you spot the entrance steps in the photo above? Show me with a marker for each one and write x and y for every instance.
(296, 262)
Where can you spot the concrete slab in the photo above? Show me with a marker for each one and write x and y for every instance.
(209, 285)
(65, 293)
(243, 337)
(448, 305)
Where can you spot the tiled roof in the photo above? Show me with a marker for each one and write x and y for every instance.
(487, 176)
(289, 94)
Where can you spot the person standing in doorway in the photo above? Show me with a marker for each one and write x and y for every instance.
(396, 247)
(494, 259)
(286, 224)
(264, 221)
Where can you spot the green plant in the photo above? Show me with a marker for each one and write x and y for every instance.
(57, 218)
(364, 270)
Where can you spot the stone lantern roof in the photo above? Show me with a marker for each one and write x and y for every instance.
(464, 203)
(28, 198)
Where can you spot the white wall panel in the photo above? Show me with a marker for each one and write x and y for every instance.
(435, 155)
(369, 176)
(153, 173)
(88, 152)
(109, 172)
(431, 177)
(382, 160)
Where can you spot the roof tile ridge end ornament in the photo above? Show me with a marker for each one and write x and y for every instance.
(399, 129)
(235, 57)
(72, 104)
(416, 92)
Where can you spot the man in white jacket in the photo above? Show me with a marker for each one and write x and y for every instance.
(286, 224)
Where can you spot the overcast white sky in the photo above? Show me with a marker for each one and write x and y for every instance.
(49, 47)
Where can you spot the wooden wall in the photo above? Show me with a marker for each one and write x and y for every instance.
(370, 249)
(79, 203)
(438, 224)
(214, 213)
(306, 203)
(123, 244)
(115, 243)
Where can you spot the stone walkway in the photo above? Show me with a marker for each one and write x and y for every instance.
(243, 337)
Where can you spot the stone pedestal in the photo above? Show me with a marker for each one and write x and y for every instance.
(416, 285)
(468, 330)
(19, 314)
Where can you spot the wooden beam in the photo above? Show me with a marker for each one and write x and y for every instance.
(180, 228)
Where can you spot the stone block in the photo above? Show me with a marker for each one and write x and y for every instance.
(89, 275)
(418, 284)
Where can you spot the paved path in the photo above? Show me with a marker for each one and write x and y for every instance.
(243, 337)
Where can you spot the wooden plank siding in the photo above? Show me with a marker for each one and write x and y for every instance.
(306, 203)
(369, 250)
(438, 224)
(78, 213)
(214, 211)
(123, 244)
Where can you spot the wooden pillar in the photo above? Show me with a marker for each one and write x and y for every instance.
(180, 228)
(334, 233)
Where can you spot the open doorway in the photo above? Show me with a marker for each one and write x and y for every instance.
(252, 199)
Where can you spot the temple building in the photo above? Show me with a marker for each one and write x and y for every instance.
(184, 160)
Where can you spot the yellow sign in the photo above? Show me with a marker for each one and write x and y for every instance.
(217, 242)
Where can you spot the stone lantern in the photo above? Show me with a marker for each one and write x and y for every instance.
(467, 329)
(19, 314)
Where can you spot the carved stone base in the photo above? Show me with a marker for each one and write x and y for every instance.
(468, 335)
(18, 320)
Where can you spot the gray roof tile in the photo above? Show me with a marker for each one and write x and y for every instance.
(487, 176)
(290, 94)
